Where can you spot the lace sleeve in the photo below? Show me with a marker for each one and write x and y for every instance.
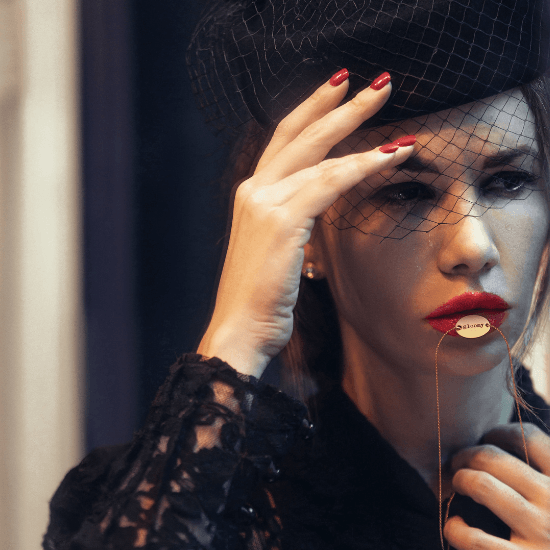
(211, 436)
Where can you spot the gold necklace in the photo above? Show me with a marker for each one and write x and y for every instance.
(441, 521)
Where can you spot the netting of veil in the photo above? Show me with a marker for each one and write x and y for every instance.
(256, 60)
(468, 160)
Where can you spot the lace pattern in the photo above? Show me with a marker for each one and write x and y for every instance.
(184, 480)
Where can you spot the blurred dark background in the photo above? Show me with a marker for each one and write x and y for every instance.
(153, 215)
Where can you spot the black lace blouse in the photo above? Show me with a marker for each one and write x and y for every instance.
(225, 462)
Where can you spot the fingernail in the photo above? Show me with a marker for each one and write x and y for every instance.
(405, 141)
(381, 81)
(389, 148)
(339, 77)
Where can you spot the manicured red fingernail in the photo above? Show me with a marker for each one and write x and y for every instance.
(405, 141)
(389, 148)
(339, 77)
(381, 81)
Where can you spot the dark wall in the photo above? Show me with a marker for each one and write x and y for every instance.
(153, 218)
(180, 217)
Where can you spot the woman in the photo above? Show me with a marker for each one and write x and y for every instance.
(421, 221)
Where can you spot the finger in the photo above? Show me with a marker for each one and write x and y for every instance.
(502, 500)
(321, 185)
(509, 438)
(286, 189)
(512, 471)
(322, 101)
(463, 537)
(312, 145)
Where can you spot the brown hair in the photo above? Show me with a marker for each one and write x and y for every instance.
(537, 94)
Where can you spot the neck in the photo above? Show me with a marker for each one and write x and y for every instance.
(401, 404)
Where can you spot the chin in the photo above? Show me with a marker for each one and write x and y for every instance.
(472, 357)
(458, 356)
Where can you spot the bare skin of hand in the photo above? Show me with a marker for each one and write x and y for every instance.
(515, 492)
(273, 217)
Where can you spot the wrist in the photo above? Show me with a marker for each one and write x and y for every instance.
(233, 347)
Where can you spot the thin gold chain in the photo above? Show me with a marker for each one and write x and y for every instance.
(440, 468)
(440, 472)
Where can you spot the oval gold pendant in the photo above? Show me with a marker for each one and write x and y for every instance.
(472, 326)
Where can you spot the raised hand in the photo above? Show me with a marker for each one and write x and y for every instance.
(515, 492)
(273, 217)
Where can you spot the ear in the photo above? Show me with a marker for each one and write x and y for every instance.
(312, 267)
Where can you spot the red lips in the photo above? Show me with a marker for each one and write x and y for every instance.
(490, 306)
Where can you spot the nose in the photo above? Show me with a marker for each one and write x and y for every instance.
(468, 248)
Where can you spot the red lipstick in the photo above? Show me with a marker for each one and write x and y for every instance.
(490, 306)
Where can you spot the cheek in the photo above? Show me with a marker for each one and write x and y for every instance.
(521, 231)
(373, 282)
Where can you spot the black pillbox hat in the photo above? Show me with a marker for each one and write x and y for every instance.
(258, 59)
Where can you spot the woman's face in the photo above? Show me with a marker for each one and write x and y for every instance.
(466, 160)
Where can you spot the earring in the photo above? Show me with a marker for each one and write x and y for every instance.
(310, 271)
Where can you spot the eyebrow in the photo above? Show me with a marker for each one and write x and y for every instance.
(507, 157)
(415, 164)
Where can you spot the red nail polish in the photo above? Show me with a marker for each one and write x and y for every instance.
(405, 141)
(339, 77)
(381, 81)
(389, 148)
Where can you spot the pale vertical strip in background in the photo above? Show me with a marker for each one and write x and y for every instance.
(40, 295)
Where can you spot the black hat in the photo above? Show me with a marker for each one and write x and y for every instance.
(256, 59)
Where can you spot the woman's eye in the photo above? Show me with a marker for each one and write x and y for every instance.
(509, 184)
(404, 194)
